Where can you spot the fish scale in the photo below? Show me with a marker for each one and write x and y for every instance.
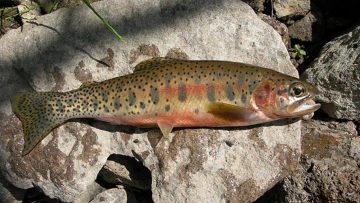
(161, 92)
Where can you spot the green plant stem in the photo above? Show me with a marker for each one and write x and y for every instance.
(105, 22)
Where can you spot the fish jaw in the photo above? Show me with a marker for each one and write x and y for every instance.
(303, 107)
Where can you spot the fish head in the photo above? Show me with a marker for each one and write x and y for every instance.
(287, 98)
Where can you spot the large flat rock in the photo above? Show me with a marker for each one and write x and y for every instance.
(60, 51)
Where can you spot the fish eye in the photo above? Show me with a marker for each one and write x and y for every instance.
(297, 90)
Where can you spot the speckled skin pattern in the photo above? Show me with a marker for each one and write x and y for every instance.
(177, 93)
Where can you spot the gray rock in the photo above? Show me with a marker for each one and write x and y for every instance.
(91, 192)
(29, 10)
(257, 5)
(9, 193)
(309, 28)
(279, 27)
(329, 169)
(70, 46)
(336, 72)
(114, 195)
(123, 170)
(290, 8)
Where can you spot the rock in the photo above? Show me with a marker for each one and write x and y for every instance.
(114, 195)
(257, 5)
(279, 27)
(329, 170)
(235, 164)
(355, 149)
(308, 29)
(123, 170)
(8, 21)
(290, 8)
(28, 10)
(9, 193)
(91, 192)
(336, 72)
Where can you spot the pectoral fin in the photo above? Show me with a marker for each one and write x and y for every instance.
(165, 128)
(229, 111)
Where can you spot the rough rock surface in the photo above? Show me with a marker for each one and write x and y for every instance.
(279, 27)
(257, 5)
(122, 170)
(62, 50)
(310, 28)
(290, 8)
(329, 170)
(114, 195)
(9, 193)
(336, 72)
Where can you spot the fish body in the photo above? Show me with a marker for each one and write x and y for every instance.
(171, 93)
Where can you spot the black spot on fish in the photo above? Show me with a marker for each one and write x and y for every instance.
(154, 94)
(131, 98)
(142, 105)
(182, 94)
(252, 86)
(95, 104)
(243, 98)
(104, 95)
(211, 93)
(167, 108)
(60, 106)
(117, 103)
(196, 111)
(241, 80)
(229, 92)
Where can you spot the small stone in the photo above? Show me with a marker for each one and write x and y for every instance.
(124, 170)
(308, 29)
(290, 8)
(91, 192)
(257, 5)
(114, 195)
(355, 148)
(29, 10)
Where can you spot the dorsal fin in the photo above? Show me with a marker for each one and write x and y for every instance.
(87, 83)
(154, 63)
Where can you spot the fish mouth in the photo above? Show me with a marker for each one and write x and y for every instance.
(304, 106)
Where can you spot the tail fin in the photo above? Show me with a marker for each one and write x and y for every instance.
(37, 118)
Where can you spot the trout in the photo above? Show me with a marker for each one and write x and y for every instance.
(171, 93)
